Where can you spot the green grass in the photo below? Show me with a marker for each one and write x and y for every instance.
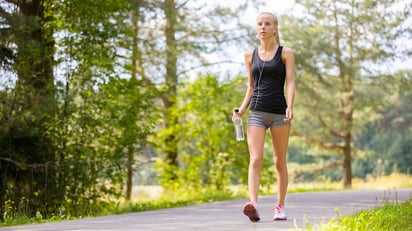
(386, 218)
(173, 201)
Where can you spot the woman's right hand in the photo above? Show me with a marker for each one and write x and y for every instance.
(239, 114)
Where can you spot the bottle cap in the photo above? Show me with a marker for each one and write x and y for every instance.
(236, 110)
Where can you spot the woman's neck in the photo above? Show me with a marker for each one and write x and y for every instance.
(268, 45)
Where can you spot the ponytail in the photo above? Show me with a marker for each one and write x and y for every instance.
(276, 35)
(275, 19)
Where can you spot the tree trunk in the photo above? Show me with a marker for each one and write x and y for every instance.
(137, 62)
(35, 106)
(169, 98)
(35, 54)
(136, 71)
(129, 183)
(345, 102)
(347, 163)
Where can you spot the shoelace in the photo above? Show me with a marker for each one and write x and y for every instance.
(278, 208)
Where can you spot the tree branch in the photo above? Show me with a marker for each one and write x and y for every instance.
(24, 165)
(144, 162)
(334, 133)
(326, 145)
(331, 165)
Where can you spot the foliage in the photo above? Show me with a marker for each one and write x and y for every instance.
(388, 217)
(85, 83)
(27, 161)
(96, 131)
(209, 153)
(73, 158)
(182, 198)
(337, 86)
(390, 139)
(189, 35)
(99, 134)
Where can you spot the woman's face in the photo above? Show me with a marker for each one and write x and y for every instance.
(265, 25)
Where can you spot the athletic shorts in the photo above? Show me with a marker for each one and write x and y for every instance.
(266, 120)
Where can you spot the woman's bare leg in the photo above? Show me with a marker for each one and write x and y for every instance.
(280, 139)
(256, 140)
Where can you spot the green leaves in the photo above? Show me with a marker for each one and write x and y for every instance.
(74, 147)
(209, 154)
(339, 46)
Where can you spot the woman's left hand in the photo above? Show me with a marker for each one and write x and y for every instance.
(289, 115)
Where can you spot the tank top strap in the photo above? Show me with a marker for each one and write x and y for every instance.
(279, 52)
(254, 55)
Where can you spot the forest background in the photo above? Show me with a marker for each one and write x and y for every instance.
(98, 96)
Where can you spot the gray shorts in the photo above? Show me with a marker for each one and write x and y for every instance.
(266, 120)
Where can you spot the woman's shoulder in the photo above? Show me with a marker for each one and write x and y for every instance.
(287, 50)
(248, 55)
(287, 53)
(249, 52)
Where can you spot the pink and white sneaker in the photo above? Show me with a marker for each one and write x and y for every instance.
(280, 213)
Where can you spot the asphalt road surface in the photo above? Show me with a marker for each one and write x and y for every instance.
(302, 208)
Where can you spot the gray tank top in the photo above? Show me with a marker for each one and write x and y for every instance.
(269, 81)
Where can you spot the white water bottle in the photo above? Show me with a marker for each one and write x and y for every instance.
(240, 135)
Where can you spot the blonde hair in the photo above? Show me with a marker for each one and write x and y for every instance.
(276, 22)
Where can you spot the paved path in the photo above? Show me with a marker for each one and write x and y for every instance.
(302, 208)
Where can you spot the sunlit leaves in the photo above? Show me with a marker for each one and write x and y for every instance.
(339, 46)
(209, 154)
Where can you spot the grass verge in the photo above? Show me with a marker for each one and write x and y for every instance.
(172, 200)
(387, 217)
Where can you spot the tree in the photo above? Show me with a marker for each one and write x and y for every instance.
(389, 137)
(171, 80)
(209, 156)
(188, 36)
(69, 147)
(108, 48)
(337, 45)
(27, 49)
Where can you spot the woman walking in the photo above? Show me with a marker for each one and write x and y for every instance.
(270, 69)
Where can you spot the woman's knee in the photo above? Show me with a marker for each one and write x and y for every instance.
(256, 161)
(280, 164)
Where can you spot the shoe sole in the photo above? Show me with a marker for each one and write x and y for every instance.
(280, 219)
(250, 211)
